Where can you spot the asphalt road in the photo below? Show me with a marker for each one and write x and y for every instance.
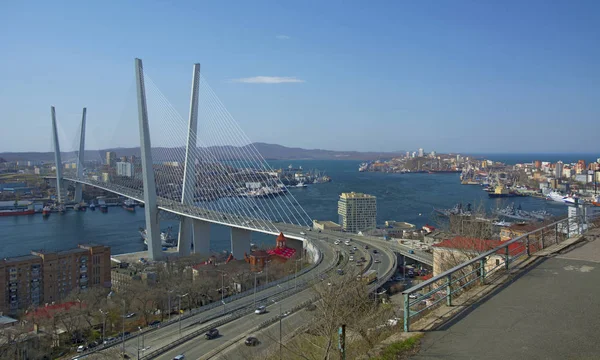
(197, 348)
(166, 334)
(268, 337)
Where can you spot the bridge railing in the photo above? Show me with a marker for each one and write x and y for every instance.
(474, 268)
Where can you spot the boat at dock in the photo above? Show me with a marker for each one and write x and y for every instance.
(15, 208)
(46, 211)
(129, 205)
(166, 239)
(456, 210)
(103, 208)
(92, 207)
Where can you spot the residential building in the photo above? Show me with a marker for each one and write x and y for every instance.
(111, 158)
(125, 169)
(357, 211)
(558, 170)
(46, 276)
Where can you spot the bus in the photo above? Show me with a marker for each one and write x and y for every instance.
(368, 277)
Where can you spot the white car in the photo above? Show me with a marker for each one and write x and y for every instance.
(414, 295)
(302, 233)
(260, 310)
(337, 242)
(377, 261)
(351, 258)
(80, 348)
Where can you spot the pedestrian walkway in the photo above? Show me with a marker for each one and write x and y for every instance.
(552, 311)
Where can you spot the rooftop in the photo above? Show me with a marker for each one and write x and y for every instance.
(477, 245)
(355, 195)
(21, 258)
(5, 320)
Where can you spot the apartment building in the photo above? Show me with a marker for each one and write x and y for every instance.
(357, 211)
(49, 276)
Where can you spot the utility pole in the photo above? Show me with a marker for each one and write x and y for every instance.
(180, 296)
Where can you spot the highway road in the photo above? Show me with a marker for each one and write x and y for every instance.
(239, 329)
(165, 335)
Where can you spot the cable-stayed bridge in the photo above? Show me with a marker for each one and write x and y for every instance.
(209, 172)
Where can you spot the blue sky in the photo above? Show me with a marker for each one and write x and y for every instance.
(470, 76)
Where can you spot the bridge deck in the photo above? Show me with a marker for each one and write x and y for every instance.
(550, 312)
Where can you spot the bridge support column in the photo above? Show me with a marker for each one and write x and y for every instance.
(151, 206)
(57, 161)
(80, 159)
(184, 241)
(201, 237)
(240, 242)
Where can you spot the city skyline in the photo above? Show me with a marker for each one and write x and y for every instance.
(388, 77)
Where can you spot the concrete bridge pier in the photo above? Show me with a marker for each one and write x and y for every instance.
(240, 242)
(184, 241)
(201, 236)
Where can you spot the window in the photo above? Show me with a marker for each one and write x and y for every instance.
(497, 262)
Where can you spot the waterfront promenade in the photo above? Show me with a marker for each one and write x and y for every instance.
(549, 312)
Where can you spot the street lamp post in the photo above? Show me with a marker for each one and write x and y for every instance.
(169, 303)
(275, 302)
(123, 332)
(103, 324)
(179, 311)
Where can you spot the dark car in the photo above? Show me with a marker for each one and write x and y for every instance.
(367, 247)
(375, 251)
(211, 334)
(340, 272)
(251, 341)
(154, 323)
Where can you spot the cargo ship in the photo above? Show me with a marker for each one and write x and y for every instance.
(15, 208)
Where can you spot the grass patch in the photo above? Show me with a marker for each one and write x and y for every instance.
(397, 349)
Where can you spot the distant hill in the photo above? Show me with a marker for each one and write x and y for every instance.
(268, 151)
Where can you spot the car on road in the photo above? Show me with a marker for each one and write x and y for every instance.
(355, 248)
(130, 315)
(109, 340)
(211, 334)
(81, 348)
(351, 252)
(351, 258)
(366, 247)
(302, 233)
(286, 313)
(251, 341)
(179, 357)
(377, 261)
(414, 295)
(154, 323)
(340, 272)
(337, 242)
(375, 251)
(260, 310)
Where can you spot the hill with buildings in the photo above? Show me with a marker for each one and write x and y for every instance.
(268, 151)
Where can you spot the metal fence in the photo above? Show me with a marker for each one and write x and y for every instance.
(481, 268)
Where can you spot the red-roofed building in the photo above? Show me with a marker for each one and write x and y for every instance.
(282, 252)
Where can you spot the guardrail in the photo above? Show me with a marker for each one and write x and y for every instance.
(245, 310)
(479, 268)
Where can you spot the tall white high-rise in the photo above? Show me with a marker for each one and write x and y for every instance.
(421, 152)
(558, 170)
(357, 211)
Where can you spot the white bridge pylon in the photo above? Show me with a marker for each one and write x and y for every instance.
(204, 169)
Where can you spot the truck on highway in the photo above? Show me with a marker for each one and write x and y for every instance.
(368, 277)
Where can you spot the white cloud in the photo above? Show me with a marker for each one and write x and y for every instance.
(283, 37)
(268, 80)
